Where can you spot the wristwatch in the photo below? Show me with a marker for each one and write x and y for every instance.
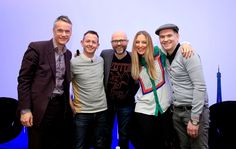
(194, 122)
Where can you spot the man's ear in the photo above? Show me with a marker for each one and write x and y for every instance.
(177, 34)
(81, 42)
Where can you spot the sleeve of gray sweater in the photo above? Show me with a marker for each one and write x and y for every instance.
(194, 68)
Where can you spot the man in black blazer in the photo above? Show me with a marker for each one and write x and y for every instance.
(119, 86)
(43, 89)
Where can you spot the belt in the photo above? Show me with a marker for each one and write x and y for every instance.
(183, 108)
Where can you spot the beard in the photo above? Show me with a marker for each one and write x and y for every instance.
(120, 50)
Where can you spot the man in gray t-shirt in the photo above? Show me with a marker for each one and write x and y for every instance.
(89, 105)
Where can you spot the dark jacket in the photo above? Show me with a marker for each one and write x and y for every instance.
(36, 79)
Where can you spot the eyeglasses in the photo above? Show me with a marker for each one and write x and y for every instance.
(119, 41)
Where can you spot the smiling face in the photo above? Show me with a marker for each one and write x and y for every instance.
(119, 42)
(168, 39)
(62, 32)
(141, 44)
(90, 43)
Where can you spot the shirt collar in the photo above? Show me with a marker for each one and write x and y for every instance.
(87, 58)
(172, 56)
(56, 47)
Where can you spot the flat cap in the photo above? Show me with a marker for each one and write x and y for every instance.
(167, 26)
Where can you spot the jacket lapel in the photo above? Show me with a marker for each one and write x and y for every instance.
(109, 60)
(107, 63)
(67, 65)
(51, 58)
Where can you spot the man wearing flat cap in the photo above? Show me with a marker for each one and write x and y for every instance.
(167, 26)
(190, 101)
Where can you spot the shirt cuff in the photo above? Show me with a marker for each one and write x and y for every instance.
(25, 111)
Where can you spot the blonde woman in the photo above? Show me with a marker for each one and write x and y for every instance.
(152, 115)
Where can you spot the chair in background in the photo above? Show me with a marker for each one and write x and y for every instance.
(10, 126)
(222, 130)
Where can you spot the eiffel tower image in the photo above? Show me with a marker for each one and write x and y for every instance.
(219, 95)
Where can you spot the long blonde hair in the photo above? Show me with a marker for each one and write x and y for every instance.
(148, 56)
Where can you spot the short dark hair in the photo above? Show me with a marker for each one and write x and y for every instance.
(63, 18)
(91, 32)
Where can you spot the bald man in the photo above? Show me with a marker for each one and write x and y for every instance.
(119, 86)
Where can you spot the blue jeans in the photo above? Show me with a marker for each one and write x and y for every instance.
(90, 130)
(123, 114)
